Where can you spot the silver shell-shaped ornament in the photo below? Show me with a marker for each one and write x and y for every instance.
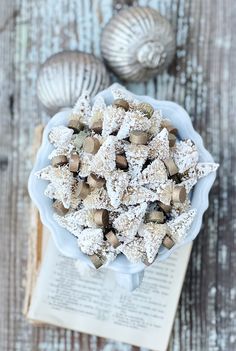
(138, 43)
(66, 75)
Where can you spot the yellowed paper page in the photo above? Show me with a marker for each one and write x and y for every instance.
(94, 304)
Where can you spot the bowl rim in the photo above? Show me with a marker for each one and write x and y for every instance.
(121, 263)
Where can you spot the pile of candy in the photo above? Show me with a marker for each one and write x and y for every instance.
(120, 178)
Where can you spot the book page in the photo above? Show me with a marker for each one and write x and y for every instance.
(94, 304)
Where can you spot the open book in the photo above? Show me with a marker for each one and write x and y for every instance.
(58, 293)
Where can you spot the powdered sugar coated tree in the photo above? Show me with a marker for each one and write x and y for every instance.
(128, 222)
(159, 146)
(153, 235)
(179, 226)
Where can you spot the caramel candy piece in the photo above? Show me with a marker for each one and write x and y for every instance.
(171, 166)
(165, 208)
(83, 190)
(112, 239)
(74, 163)
(172, 139)
(121, 162)
(168, 242)
(179, 194)
(91, 145)
(101, 218)
(75, 124)
(59, 160)
(167, 124)
(59, 208)
(94, 181)
(96, 260)
(155, 216)
(121, 103)
(97, 126)
(146, 108)
(139, 138)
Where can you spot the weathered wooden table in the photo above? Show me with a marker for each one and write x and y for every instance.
(202, 78)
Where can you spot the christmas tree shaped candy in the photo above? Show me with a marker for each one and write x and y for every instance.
(116, 185)
(62, 180)
(136, 156)
(60, 136)
(69, 222)
(112, 121)
(82, 110)
(104, 161)
(127, 223)
(90, 241)
(196, 172)
(97, 114)
(203, 169)
(153, 235)
(134, 250)
(185, 155)
(155, 121)
(85, 164)
(153, 174)
(159, 146)
(178, 227)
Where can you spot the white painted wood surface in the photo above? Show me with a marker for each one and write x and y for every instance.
(202, 78)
